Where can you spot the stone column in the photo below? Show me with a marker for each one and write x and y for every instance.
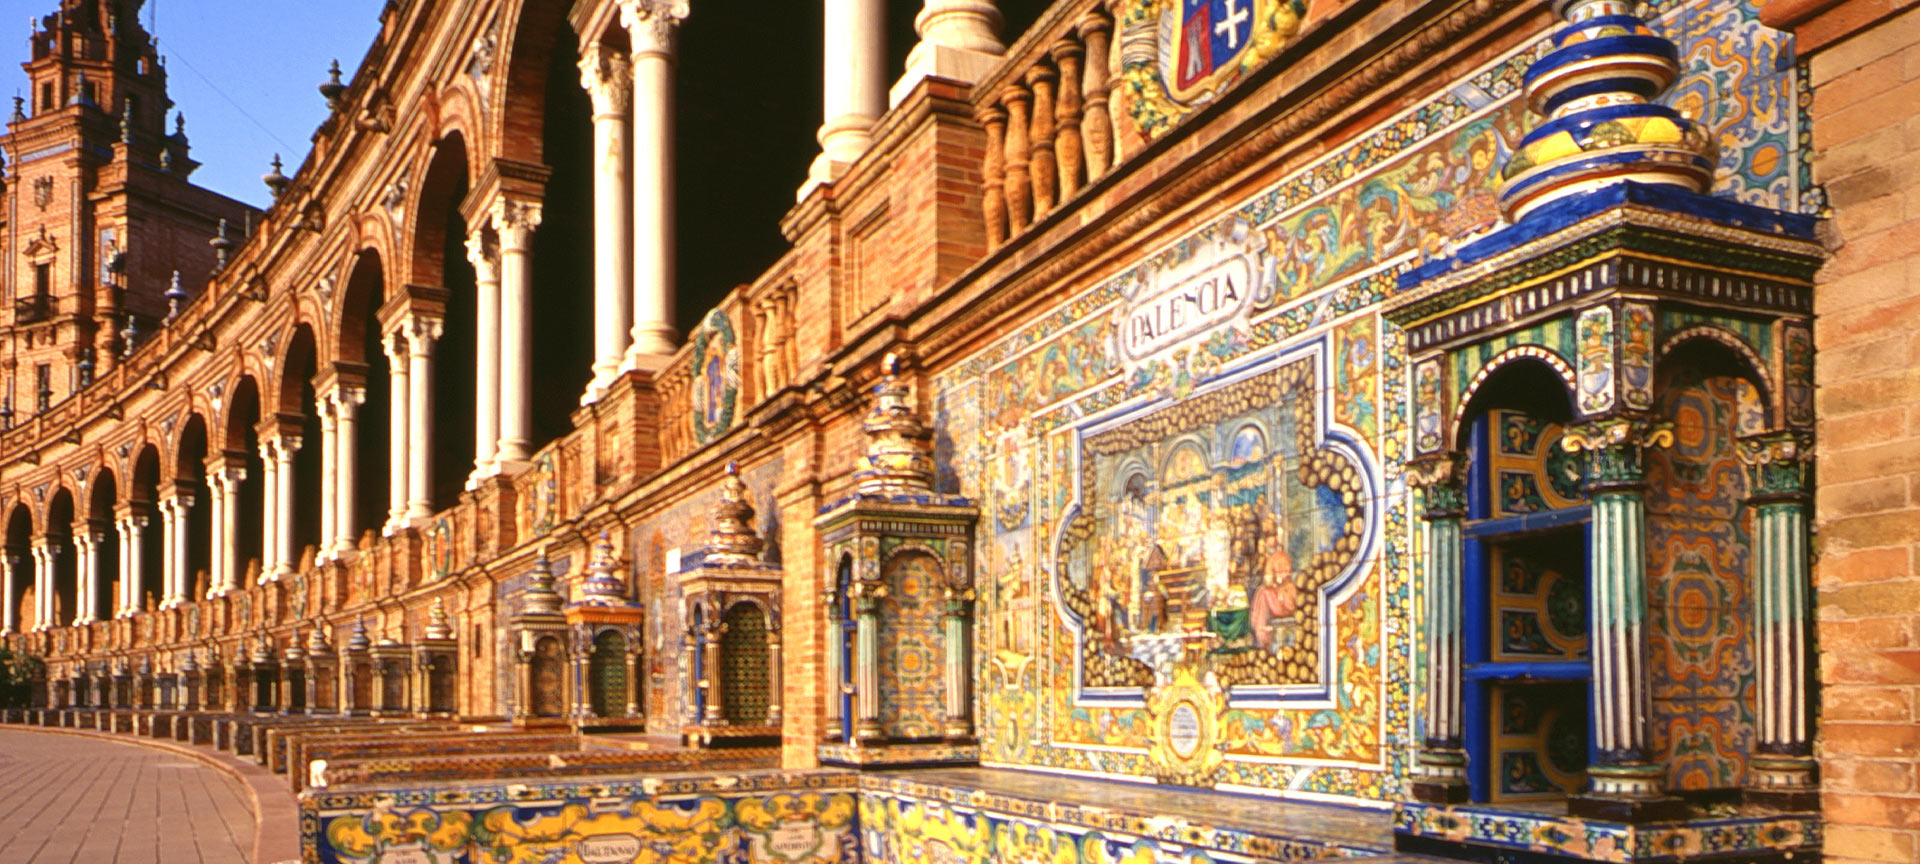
(959, 39)
(853, 92)
(44, 554)
(1442, 770)
(515, 222)
(607, 75)
(398, 393)
(1781, 772)
(284, 450)
(9, 609)
(86, 595)
(133, 565)
(329, 475)
(346, 405)
(173, 528)
(652, 26)
(217, 533)
(269, 510)
(122, 602)
(485, 258)
(959, 667)
(1626, 783)
(422, 333)
(866, 661)
(227, 551)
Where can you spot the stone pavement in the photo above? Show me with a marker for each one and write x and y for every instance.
(92, 800)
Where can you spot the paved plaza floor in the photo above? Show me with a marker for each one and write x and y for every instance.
(92, 800)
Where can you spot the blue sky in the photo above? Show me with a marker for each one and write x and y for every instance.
(244, 71)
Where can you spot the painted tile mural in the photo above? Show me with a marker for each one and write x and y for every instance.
(1197, 552)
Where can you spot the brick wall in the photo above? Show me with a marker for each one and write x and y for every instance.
(1866, 126)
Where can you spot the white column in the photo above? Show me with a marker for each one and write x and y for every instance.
(284, 564)
(346, 405)
(607, 76)
(122, 606)
(959, 39)
(395, 344)
(9, 609)
(86, 576)
(486, 373)
(169, 570)
(226, 527)
(422, 333)
(854, 92)
(216, 533)
(651, 27)
(43, 586)
(269, 510)
(133, 567)
(515, 222)
(329, 476)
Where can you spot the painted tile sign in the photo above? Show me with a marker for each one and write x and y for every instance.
(1199, 566)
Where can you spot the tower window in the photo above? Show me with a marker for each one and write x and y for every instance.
(43, 386)
(46, 96)
(42, 279)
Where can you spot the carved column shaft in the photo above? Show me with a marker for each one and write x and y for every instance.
(269, 510)
(515, 221)
(422, 333)
(395, 345)
(484, 255)
(607, 75)
(652, 26)
(866, 665)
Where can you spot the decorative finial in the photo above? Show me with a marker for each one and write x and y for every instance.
(191, 664)
(294, 653)
(82, 94)
(180, 125)
(602, 587)
(262, 651)
(438, 627)
(146, 666)
(276, 182)
(1596, 89)
(19, 108)
(332, 88)
(126, 123)
(222, 246)
(898, 461)
(317, 645)
(731, 540)
(539, 598)
(176, 297)
(85, 367)
(129, 336)
(359, 641)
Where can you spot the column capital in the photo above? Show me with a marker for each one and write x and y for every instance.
(394, 343)
(653, 25)
(1616, 449)
(345, 397)
(484, 254)
(422, 331)
(1443, 478)
(514, 219)
(1777, 464)
(607, 75)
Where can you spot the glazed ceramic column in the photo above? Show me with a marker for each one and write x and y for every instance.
(1442, 774)
(776, 678)
(959, 667)
(854, 88)
(485, 257)
(346, 405)
(422, 332)
(133, 565)
(329, 475)
(1625, 782)
(515, 222)
(959, 40)
(269, 511)
(866, 661)
(833, 729)
(1782, 764)
(284, 449)
(9, 608)
(394, 343)
(652, 27)
(226, 514)
(710, 661)
(87, 576)
(607, 76)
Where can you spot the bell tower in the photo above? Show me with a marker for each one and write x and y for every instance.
(96, 209)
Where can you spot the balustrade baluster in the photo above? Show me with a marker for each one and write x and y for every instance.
(993, 174)
(1067, 150)
(1046, 180)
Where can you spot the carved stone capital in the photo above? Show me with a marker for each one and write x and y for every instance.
(653, 25)
(484, 255)
(607, 76)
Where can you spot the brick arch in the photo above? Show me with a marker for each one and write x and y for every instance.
(520, 103)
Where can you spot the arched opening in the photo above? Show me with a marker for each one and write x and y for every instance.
(297, 399)
(1524, 589)
(66, 594)
(440, 675)
(144, 494)
(360, 686)
(743, 665)
(101, 496)
(607, 674)
(20, 560)
(563, 247)
(911, 702)
(440, 258)
(548, 675)
(189, 474)
(242, 440)
(1700, 560)
(362, 356)
(296, 697)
